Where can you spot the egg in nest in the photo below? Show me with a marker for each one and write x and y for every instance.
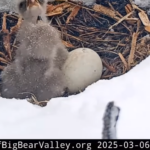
(82, 68)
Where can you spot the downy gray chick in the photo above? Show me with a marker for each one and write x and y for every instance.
(37, 66)
(110, 118)
(30, 9)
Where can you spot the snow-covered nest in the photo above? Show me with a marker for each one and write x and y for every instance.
(80, 116)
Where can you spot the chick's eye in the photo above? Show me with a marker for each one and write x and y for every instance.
(22, 5)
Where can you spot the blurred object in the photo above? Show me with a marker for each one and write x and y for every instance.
(110, 119)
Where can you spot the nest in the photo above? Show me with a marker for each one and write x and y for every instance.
(116, 30)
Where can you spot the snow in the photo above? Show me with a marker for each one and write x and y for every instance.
(80, 116)
(86, 2)
(8, 5)
(143, 4)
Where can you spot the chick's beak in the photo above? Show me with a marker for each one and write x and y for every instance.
(32, 3)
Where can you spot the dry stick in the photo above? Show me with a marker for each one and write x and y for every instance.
(107, 76)
(114, 10)
(110, 68)
(100, 51)
(100, 40)
(132, 19)
(59, 24)
(55, 9)
(2, 54)
(123, 60)
(15, 28)
(67, 44)
(93, 16)
(13, 45)
(110, 13)
(133, 47)
(78, 39)
(3, 60)
(106, 11)
(13, 16)
(33, 99)
(99, 31)
(103, 11)
(6, 39)
(122, 19)
(136, 7)
(140, 53)
(73, 13)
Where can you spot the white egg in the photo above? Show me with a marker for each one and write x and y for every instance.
(82, 68)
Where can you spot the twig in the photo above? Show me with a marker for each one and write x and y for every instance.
(133, 47)
(110, 68)
(122, 19)
(123, 60)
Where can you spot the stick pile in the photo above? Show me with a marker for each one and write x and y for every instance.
(115, 30)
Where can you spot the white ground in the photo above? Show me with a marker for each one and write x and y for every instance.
(80, 116)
